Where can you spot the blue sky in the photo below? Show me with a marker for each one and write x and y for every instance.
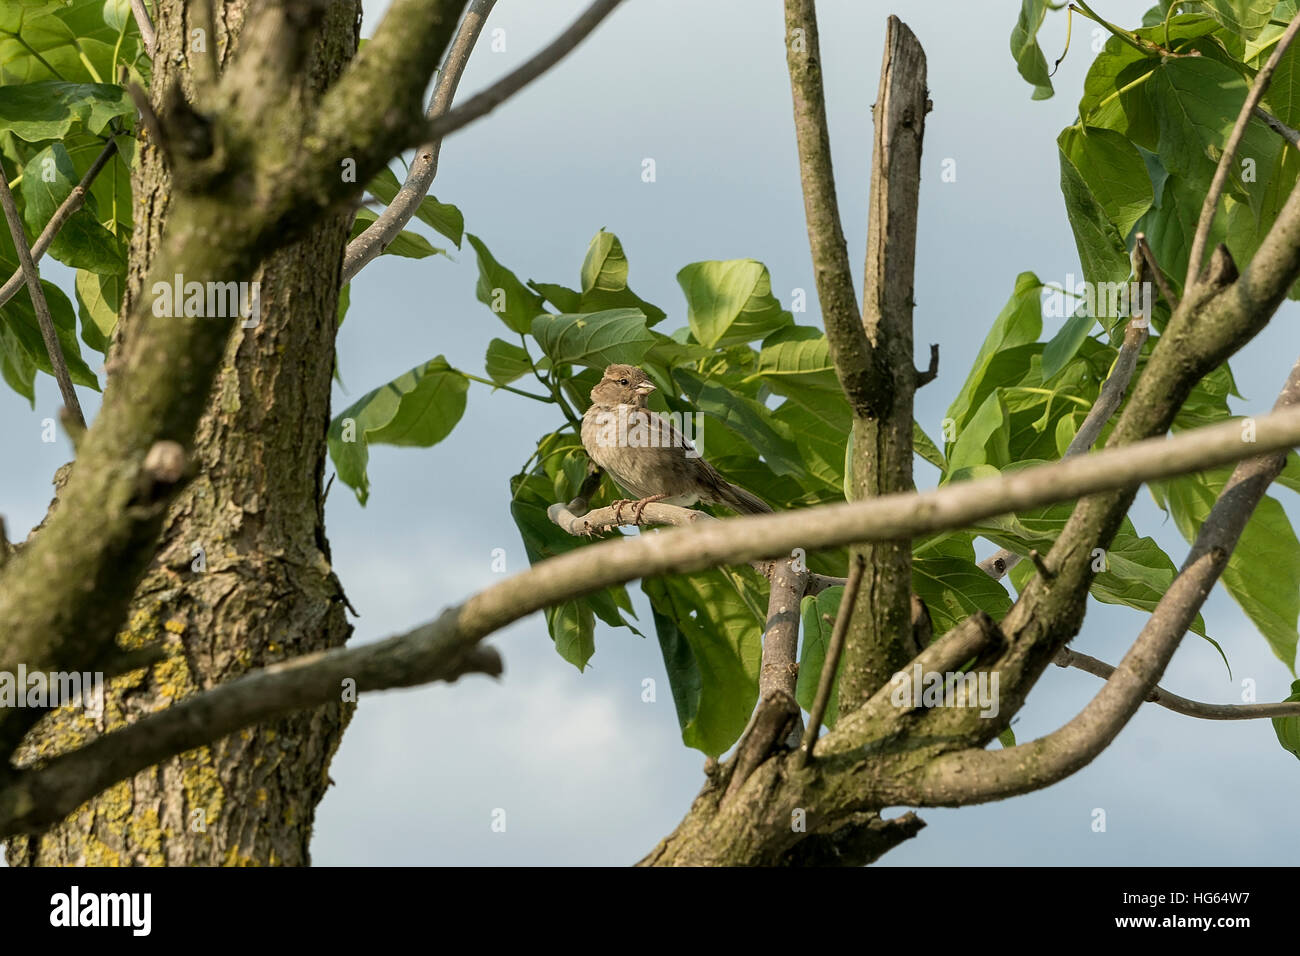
(586, 771)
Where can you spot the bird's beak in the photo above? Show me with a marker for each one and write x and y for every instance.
(645, 388)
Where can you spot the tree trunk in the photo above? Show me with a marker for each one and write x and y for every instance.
(242, 576)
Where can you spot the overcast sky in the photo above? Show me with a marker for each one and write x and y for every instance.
(586, 772)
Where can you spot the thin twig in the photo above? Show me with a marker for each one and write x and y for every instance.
(830, 666)
(61, 215)
(1149, 257)
(496, 94)
(147, 33)
(1272, 122)
(1066, 657)
(1211, 205)
(366, 247)
(931, 373)
(43, 317)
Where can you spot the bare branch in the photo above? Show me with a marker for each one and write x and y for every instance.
(830, 666)
(1149, 257)
(375, 239)
(1066, 657)
(43, 317)
(972, 776)
(147, 33)
(778, 671)
(850, 350)
(1272, 122)
(1211, 204)
(483, 103)
(931, 373)
(75, 200)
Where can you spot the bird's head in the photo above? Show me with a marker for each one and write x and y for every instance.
(623, 385)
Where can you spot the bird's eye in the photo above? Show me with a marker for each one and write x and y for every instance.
(622, 381)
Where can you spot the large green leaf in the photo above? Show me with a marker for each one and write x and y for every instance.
(1101, 246)
(99, 298)
(1263, 572)
(444, 218)
(595, 340)
(1288, 728)
(418, 408)
(985, 439)
(1024, 47)
(68, 40)
(1246, 18)
(48, 178)
(947, 578)
(712, 643)
(1112, 169)
(730, 302)
(751, 420)
(501, 291)
(1019, 323)
(505, 362)
(604, 280)
(41, 111)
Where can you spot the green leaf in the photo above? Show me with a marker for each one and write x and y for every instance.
(946, 576)
(927, 449)
(1007, 738)
(985, 438)
(67, 40)
(502, 292)
(595, 340)
(1113, 171)
(564, 299)
(730, 302)
(99, 297)
(604, 280)
(702, 619)
(407, 244)
(444, 218)
(1288, 728)
(573, 628)
(1025, 49)
(1246, 18)
(41, 111)
(1019, 323)
(16, 367)
(1102, 252)
(1263, 572)
(48, 178)
(816, 645)
(798, 355)
(506, 362)
(419, 408)
(1066, 342)
(751, 420)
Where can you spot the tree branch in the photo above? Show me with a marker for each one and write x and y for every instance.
(147, 33)
(375, 239)
(483, 103)
(447, 647)
(43, 317)
(71, 204)
(1211, 205)
(850, 350)
(1180, 705)
(1277, 126)
(972, 776)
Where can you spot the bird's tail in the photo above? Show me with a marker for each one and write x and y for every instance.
(739, 500)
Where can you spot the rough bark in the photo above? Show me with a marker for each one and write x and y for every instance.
(254, 508)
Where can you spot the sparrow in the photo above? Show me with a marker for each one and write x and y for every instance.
(647, 455)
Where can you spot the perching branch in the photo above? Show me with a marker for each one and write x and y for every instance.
(375, 239)
(1180, 705)
(43, 317)
(71, 204)
(1211, 205)
(483, 103)
(448, 647)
